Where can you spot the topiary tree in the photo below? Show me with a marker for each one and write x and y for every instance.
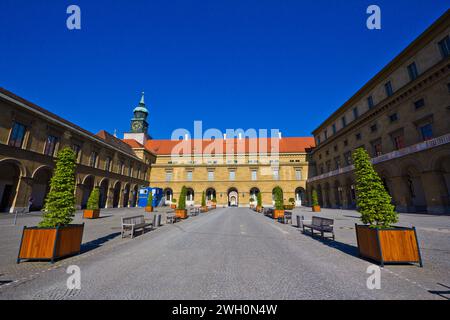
(60, 201)
(372, 199)
(292, 200)
(182, 202)
(278, 197)
(203, 199)
(150, 198)
(314, 198)
(259, 199)
(174, 200)
(94, 199)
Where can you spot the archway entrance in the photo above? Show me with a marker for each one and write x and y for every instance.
(116, 197)
(190, 197)
(126, 196)
(41, 187)
(233, 197)
(300, 197)
(9, 179)
(254, 195)
(88, 185)
(168, 196)
(103, 188)
(210, 195)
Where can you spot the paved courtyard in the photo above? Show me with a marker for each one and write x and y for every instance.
(229, 253)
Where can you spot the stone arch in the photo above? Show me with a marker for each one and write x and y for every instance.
(168, 195)
(134, 193)
(126, 196)
(11, 171)
(116, 194)
(40, 188)
(190, 196)
(233, 197)
(103, 187)
(23, 172)
(210, 194)
(300, 196)
(87, 186)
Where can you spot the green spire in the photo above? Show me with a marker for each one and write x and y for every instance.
(141, 107)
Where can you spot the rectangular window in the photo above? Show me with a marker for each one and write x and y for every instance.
(419, 104)
(345, 143)
(121, 167)
(318, 140)
(348, 158)
(334, 128)
(393, 117)
(444, 46)
(232, 175)
(325, 134)
(189, 176)
(17, 135)
(370, 102)
(93, 159)
(355, 113)
(298, 174)
(210, 175)
(373, 128)
(426, 132)
(108, 162)
(412, 71)
(168, 176)
(50, 145)
(358, 136)
(399, 141)
(77, 149)
(388, 88)
(254, 175)
(344, 122)
(376, 148)
(328, 164)
(337, 162)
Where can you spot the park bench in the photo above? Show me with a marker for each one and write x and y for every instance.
(131, 224)
(286, 218)
(323, 225)
(194, 211)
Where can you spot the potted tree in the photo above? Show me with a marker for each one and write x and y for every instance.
(204, 207)
(149, 206)
(174, 203)
(315, 201)
(291, 204)
(55, 237)
(259, 207)
(181, 211)
(92, 209)
(278, 212)
(252, 201)
(378, 239)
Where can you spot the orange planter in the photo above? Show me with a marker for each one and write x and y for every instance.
(173, 206)
(278, 214)
(204, 209)
(50, 243)
(259, 209)
(148, 209)
(316, 208)
(393, 245)
(181, 213)
(91, 214)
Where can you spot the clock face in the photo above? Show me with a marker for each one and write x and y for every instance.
(136, 126)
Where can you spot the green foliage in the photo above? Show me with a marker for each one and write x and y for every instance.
(60, 201)
(174, 200)
(94, 199)
(278, 197)
(214, 199)
(291, 200)
(372, 199)
(150, 198)
(203, 199)
(314, 198)
(251, 200)
(182, 202)
(259, 199)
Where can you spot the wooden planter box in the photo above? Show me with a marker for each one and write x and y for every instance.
(278, 214)
(50, 243)
(91, 214)
(393, 245)
(289, 207)
(181, 213)
(204, 209)
(214, 206)
(259, 209)
(148, 209)
(316, 208)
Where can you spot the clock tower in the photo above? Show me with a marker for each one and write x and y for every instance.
(139, 124)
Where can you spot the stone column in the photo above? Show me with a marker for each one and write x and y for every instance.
(109, 197)
(23, 193)
(435, 192)
(79, 188)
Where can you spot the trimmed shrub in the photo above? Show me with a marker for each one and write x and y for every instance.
(203, 199)
(278, 197)
(150, 198)
(182, 202)
(372, 199)
(60, 201)
(259, 199)
(291, 200)
(94, 199)
(314, 198)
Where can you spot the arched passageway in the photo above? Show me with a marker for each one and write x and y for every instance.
(9, 179)
(87, 186)
(116, 195)
(103, 188)
(41, 187)
(300, 197)
(233, 197)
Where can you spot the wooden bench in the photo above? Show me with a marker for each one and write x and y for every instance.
(323, 225)
(194, 211)
(131, 224)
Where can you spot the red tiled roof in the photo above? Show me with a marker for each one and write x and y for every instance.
(133, 143)
(286, 145)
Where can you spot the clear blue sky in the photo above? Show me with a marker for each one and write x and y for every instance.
(284, 64)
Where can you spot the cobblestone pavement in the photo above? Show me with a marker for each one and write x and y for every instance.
(229, 253)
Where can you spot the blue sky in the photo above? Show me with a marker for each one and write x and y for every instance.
(284, 64)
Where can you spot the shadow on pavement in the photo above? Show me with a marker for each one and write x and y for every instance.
(91, 245)
(441, 294)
